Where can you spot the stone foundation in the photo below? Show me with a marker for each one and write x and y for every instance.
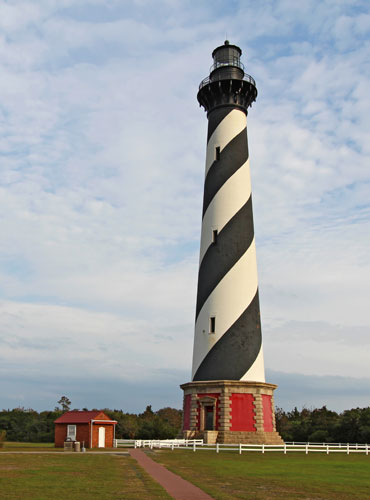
(210, 437)
(257, 437)
(240, 412)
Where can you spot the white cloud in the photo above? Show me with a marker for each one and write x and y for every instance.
(41, 338)
(101, 178)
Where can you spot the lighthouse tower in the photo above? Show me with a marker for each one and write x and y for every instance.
(228, 400)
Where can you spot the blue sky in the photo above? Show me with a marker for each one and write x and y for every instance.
(102, 151)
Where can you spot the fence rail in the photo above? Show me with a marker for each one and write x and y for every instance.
(169, 443)
(198, 444)
(127, 443)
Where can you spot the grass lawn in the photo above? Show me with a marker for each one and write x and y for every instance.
(16, 446)
(76, 477)
(228, 475)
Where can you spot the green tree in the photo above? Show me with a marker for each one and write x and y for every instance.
(2, 438)
(353, 426)
(148, 414)
(173, 416)
(65, 403)
(156, 428)
(127, 424)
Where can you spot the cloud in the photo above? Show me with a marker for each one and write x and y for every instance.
(316, 347)
(294, 390)
(40, 339)
(94, 392)
(315, 391)
(102, 156)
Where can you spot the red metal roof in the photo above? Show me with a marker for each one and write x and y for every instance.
(81, 417)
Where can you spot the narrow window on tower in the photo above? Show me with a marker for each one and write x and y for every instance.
(212, 324)
(217, 153)
(214, 236)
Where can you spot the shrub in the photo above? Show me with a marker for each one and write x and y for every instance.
(320, 436)
(2, 438)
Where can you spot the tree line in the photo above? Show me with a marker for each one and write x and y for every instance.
(321, 425)
(313, 425)
(28, 425)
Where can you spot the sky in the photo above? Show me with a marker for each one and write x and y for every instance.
(102, 154)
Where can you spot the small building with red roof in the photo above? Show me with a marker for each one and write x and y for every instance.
(94, 428)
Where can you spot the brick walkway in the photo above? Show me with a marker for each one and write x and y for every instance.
(177, 487)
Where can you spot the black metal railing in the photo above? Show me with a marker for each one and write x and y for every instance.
(226, 76)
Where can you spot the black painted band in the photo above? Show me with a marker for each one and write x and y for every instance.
(232, 242)
(236, 351)
(232, 157)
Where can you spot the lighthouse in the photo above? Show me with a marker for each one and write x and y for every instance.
(228, 399)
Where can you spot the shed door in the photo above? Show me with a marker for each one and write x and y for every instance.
(101, 437)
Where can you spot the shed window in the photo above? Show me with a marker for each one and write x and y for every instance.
(217, 153)
(71, 432)
(212, 324)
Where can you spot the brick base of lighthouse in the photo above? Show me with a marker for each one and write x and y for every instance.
(230, 411)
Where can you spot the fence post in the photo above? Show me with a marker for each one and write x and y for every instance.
(240, 448)
(216, 447)
(194, 446)
(347, 448)
(327, 449)
(367, 449)
(284, 449)
(306, 448)
(172, 445)
(263, 448)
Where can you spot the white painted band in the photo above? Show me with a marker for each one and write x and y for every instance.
(227, 302)
(230, 127)
(227, 202)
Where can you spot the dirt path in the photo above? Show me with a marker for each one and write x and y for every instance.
(177, 487)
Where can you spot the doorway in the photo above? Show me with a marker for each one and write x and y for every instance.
(101, 443)
(209, 422)
(207, 413)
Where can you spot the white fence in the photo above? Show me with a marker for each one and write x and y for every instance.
(126, 443)
(169, 443)
(198, 444)
(157, 443)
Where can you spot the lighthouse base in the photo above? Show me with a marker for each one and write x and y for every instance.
(230, 411)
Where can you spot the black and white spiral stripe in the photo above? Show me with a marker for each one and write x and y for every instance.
(227, 281)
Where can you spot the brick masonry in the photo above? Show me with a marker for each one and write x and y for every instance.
(83, 434)
(109, 430)
(262, 417)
